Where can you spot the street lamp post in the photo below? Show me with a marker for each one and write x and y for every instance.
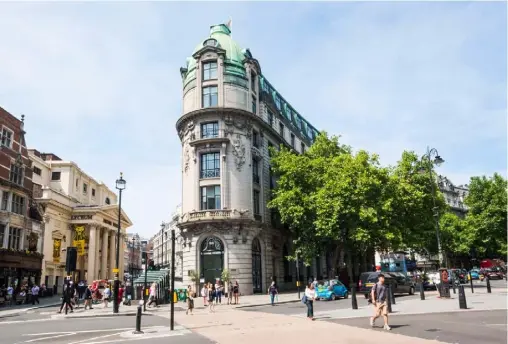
(163, 226)
(120, 186)
(172, 320)
(433, 158)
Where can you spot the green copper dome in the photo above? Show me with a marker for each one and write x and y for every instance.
(220, 37)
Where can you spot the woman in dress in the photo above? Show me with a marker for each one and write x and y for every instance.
(236, 292)
(190, 300)
(212, 294)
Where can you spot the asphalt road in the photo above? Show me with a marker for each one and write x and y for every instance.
(486, 327)
(103, 330)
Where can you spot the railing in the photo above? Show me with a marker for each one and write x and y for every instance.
(207, 134)
(211, 173)
(209, 214)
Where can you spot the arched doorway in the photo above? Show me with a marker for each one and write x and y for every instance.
(256, 266)
(212, 259)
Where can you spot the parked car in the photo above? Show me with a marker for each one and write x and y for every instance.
(475, 274)
(331, 290)
(399, 282)
(494, 273)
(458, 275)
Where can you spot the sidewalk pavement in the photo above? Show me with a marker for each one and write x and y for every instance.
(232, 326)
(8, 311)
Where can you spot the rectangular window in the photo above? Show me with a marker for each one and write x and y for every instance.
(293, 140)
(209, 71)
(37, 170)
(281, 129)
(210, 197)
(18, 204)
(270, 118)
(55, 175)
(256, 141)
(210, 96)
(256, 203)
(16, 175)
(2, 235)
(253, 82)
(270, 147)
(77, 183)
(210, 165)
(302, 147)
(254, 105)
(5, 201)
(255, 171)
(85, 188)
(277, 102)
(7, 137)
(93, 192)
(209, 130)
(14, 238)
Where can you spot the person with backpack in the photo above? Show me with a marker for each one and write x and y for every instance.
(378, 295)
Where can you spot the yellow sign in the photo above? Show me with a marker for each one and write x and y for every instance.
(79, 240)
(297, 283)
(175, 297)
(57, 244)
(115, 270)
(79, 233)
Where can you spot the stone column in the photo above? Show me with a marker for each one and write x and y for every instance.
(112, 249)
(97, 252)
(104, 254)
(92, 238)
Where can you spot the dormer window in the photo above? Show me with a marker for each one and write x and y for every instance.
(209, 70)
(210, 42)
(107, 201)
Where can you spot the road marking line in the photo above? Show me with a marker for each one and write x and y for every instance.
(21, 321)
(94, 338)
(50, 337)
(88, 331)
(141, 337)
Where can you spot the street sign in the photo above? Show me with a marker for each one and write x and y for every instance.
(115, 270)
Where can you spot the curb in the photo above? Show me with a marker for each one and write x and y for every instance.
(107, 315)
(267, 304)
(24, 310)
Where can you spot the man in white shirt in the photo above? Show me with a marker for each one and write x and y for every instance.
(10, 291)
(35, 294)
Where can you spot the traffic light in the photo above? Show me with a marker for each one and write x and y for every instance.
(143, 258)
(151, 265)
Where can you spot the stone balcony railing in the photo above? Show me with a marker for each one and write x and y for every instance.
(214, 215)
(211, 136)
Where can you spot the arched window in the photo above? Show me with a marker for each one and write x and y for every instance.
(256, 266)
(212, 259)
(107, 201)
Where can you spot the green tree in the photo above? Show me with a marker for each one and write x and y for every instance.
(456, 236)
(487, 214)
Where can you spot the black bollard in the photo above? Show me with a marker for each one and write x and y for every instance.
(489, 290)
(388, 301)
(462, 298)
(392, 297)
(453, 286)
(422, 291)
(138, 321)
(354, 302)
(471, 282)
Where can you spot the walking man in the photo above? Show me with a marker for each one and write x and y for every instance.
(35, 294)
(378, 296)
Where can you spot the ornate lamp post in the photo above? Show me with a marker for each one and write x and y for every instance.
(132, 257)
(432, 158)
(120, 186)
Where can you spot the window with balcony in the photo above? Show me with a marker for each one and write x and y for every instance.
(210, 165)
(210, 96)
(209, 70)
(5, 200)
(210, 197)
(18, 204)
(14, 238)
(256, 141)
(281, 129)
(255, 171)
(254, 105)
(7, 137)
(37, 170)
(55, 175)
(209, 130)
(270, 118)
(16, 175)
(257, 210)
(293, 140)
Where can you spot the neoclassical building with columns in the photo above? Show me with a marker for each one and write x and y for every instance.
(231, 117)
(77, 211)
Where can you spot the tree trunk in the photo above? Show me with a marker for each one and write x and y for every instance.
(349, 265)
(334, 260)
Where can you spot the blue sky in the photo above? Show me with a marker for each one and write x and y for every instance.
(99, 83)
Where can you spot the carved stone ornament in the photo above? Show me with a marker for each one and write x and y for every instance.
(244, 125)
(186, 158)
(187, 128)
(239, 153)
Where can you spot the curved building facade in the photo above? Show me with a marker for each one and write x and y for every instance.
(231, 116)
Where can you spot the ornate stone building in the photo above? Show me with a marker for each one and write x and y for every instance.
(454, 195)
(231, 116)
(77, 211)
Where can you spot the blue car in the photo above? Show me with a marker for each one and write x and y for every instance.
(475, 274)
(331, 290)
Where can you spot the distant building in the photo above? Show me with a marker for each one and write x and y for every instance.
(454, 195)
(162, 245)
(132, 255)
(78, 211)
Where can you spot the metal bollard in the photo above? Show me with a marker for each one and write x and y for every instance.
(489, 290)
(462, 298)
(422, 291)
(388, 300)
(138, 321)
(471, 282)
(392, 297)
(354, 302)
(453, 286)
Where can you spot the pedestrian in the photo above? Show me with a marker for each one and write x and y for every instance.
(212, 294)
(106, 294)
(378, 296)
(35, 294)
(190, 300)
(68, 292)
(236, 292)
(204, 294)
(310, 296)
(153, 293)
(218, 289)
(88, 297)
(272, 291)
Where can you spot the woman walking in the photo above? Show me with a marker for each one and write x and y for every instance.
(272, 291)
(190, 300)
(204, 294)
(310, 295)
(236, 292)
(212, 294)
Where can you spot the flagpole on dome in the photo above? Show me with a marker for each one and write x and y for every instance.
(230, 26)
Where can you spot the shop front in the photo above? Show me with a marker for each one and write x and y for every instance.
(19, 267)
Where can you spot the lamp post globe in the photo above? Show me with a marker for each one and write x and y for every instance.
(120, 186)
